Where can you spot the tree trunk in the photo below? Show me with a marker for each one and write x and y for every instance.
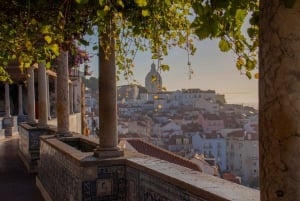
(279, 101)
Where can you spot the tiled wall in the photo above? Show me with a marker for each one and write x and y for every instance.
(63, 179)
(29, 144)
(68, 176)
(143, 186)
(59, 175)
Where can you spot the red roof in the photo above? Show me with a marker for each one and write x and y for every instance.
(231, 177)
(157, 152)
(238, 133)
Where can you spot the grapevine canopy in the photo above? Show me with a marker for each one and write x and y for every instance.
(38, 30)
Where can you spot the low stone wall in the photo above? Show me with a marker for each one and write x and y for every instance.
(63, 170)
(74, 122)
(14, 128)
(67, 174)
(29, 144)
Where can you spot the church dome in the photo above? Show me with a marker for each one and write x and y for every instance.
(153, 81)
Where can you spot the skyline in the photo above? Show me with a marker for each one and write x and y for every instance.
(212, 68)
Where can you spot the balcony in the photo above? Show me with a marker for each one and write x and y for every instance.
(66, 173)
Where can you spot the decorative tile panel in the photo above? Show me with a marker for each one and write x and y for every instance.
(89, 191)
(59, 175)
(142, 186)
(111, 183)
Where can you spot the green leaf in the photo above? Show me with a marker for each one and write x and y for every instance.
(95, 47)
(240, 63)
(90, 31)
(240, 16)
(55, 49)
(48, 39)
(82, 1)
(120, 3)
(83, 42)
(224, 45)
(248, 74)
(165, 67)
(48, 65)
(145, 13)
(141, 3)
(106, 8)
(168, 2)
(154, 56)
(250, 64)
(202, 33)
(45, 29)
(27, 65)
(28, 45)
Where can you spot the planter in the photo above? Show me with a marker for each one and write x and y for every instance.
(29, 144)
(66, 173)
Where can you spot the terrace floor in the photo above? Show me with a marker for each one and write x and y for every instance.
(16, 184)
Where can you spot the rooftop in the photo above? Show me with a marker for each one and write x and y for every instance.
(157, 152)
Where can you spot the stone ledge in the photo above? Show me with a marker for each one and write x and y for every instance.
(206, 186)
(83, 159)
(196, 183)
(42, 189)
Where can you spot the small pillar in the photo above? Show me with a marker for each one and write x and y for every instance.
(108, 139)
(7, 121)
(71, 98)
(21, 116)
(55, 97)
(62, 103)
(48, 97)
(31, 96)
(7, 100)
(42, 93)
(20, 100)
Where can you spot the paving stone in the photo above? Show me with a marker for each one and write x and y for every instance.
(15, 183)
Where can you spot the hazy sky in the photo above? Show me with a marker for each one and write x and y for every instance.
(212, 70)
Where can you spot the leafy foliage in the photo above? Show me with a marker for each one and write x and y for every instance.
(155, 26)
(38, 30)
(224, 20)
(35, 31)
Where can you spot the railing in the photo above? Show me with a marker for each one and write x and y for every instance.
(66, 173)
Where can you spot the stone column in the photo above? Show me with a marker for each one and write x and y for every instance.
(55, 99)
(279, 100)
(71, 98)
(21, 116)
(108, 139)
(7, 100)
(7, 122)
(31, 96)
(48, 97)
(20, 100)
(42, 93)
(62, 96)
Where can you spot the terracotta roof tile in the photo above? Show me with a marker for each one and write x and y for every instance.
(239, 133)
(231, 177)
(157, 152)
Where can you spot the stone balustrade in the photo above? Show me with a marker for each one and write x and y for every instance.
(67, 173)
